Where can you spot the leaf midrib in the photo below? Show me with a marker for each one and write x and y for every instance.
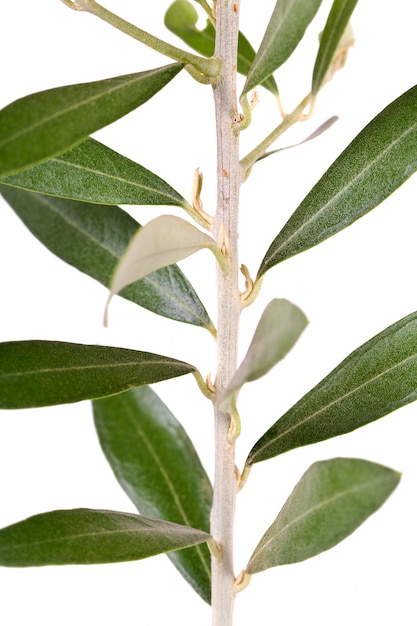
(339, 399)
(343, 191)
(169, 483)
(111, 252)
(321, 505)
(26, 130)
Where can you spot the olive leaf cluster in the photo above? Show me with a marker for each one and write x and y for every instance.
(67, 188)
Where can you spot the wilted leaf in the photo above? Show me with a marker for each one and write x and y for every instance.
(94, 173)
(43, 373)
(331, 500)
(157, 465)
(284, 32)
(44, 124)
(93, 238)
(86, 536)
(378, 160)
(374, 380)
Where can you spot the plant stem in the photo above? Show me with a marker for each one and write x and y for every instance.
(295, 116)
(226, 229)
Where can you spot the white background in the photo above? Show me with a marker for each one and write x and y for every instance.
(351, 287)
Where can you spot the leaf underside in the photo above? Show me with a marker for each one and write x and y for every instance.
(93, 238)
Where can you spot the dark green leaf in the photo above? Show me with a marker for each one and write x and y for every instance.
(92, 172)
(378, 160)
(43, 373)
(93, 238)
(331, 500)
(181, 19)
(47, 123)
(374, 380)
(284, 32)
(86, 536)
(156, 464)
(330, 40)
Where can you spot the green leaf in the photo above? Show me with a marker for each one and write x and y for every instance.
(181, 19)
(47, 123)
(43, 373)
(93, 238)
(331, 500)
(280, 326)
(163, 241)
(378, 160)
(332, 47)
(157, 465)
(284, 32)
(94, 173)
(371, 382)
(86, 536)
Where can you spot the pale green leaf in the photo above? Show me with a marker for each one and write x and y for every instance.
(43, 373)
(94, 173)
(335, 41)
(86, 536)
(157, 465)
(284, 32)
(44, 124)
(331, 500)
(377, 162)
(163, 241)
(93, 238)
(280, 326)
(374, 380)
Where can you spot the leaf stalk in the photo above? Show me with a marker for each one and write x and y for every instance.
(289, 120)
(207, 68)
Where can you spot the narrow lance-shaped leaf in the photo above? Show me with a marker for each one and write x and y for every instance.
(163, 241)
(44, 124)
(280, 326)
(157, 465)
(284, 32)
(374, 380)
(93, 238)
(86, 536)
(43, 373)
(378, 160)
(181, 19)
(94, 173)
(331, 500)
(334, 43)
